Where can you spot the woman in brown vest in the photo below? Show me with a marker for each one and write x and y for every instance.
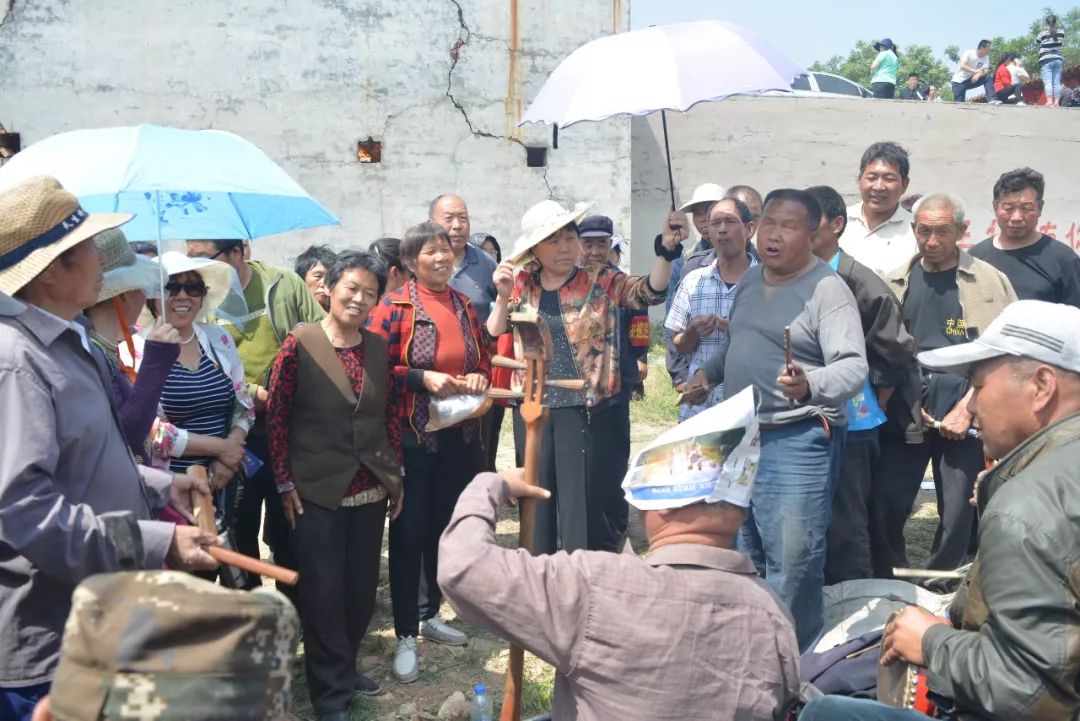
(436, 350)
(335, 442)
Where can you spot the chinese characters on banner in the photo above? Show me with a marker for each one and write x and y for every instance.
(983, 227)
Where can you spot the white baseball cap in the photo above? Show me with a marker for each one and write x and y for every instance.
(1035, 329)
(704, 193)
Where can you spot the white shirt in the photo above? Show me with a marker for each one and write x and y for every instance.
(884, 248)
(972, 60)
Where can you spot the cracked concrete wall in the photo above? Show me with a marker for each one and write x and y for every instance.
(306, 79)
(787, 141)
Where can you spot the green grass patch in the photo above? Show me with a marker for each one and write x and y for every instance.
(658, 407)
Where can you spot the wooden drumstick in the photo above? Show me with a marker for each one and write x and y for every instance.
(253, 565)
(204, 514)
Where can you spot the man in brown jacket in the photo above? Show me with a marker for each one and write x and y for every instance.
(686, 631)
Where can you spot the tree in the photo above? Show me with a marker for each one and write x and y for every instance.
(920, 59)
(856, 66)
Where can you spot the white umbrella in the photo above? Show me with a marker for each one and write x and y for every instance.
(666, 67)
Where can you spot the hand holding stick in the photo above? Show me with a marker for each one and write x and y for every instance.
(204, 515)
(789, 360)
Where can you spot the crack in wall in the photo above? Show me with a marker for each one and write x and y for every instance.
(7, 11)
(465, 34)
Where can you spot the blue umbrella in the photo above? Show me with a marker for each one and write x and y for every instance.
(189, 184)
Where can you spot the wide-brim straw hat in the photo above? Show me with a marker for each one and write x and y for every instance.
(540, 222)
(125, 270)
(217, 276)
(39, 220)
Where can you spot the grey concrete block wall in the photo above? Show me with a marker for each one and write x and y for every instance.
(772, 142)
(441, 83)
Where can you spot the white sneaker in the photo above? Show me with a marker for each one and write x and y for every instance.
(406, 662)
(435, 630)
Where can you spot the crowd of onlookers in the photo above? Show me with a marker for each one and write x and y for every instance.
(319, 402)
(1006, 81)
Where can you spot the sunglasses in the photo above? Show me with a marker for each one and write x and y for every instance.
(195, 289)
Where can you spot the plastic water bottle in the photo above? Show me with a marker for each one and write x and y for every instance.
(480, 708)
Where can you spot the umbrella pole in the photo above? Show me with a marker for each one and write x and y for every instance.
(161, 269)
(667, 156)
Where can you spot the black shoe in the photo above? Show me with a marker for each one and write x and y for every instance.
(367, 686)
(342, 715)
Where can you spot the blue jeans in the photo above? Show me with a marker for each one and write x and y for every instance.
(1051, 77)
(17, 704)
(959, 90)
(790, 509)
(842, 708)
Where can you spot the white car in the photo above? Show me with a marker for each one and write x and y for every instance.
(817, 83)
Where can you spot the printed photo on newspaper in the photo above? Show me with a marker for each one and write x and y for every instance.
(711, 457)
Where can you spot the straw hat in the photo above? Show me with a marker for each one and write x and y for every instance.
(539, 222)
(124, 269)
(217, 276)
(39, 220)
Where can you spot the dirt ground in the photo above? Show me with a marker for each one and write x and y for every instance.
(445, 670)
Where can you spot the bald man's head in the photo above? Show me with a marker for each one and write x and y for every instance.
(452, 214)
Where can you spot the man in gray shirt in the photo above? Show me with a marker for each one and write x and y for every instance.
(802, 412)
(65, 462)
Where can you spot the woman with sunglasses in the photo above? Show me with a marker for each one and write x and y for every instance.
(205, 410)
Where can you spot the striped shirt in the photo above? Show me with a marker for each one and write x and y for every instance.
(198, 401)
(1050, 43)
(702, 292)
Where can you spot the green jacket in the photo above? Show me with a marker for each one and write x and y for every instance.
(288, 301)
(984, 290)
(1015, 650)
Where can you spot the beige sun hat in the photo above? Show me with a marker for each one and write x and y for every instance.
(704, 193)
(125, 270)
(217, 276)
(539, 222)
(39, 220)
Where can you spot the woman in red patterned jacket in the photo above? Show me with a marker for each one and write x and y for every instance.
(436, 349)
(581, 309)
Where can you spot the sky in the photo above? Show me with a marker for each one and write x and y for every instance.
(809, 31)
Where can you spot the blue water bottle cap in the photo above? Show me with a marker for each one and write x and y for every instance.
(480, 689)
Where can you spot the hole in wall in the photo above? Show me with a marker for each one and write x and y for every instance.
(536, 156)
(369, 151)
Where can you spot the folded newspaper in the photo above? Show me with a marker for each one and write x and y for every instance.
(712, 457)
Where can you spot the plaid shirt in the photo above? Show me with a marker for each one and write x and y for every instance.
(702, 292)
(395, 318)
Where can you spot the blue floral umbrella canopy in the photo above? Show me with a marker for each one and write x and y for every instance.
(189, 184)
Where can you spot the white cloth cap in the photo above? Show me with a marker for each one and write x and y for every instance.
(704, 193)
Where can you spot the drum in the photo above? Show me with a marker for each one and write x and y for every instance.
(903, 685)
